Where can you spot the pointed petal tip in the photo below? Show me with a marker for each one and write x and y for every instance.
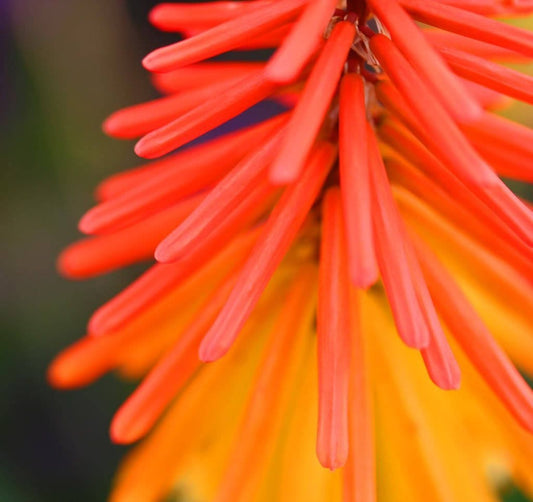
(147, 148)
(333, 460)
(142, 149)
(149, 62)
(164, 253)
(86, 225)
(59, 373)
(419, 342)
(210, 352)
(155, 62)
(108, 126)
(364, 279)
(72, 264)
(446, 376)
(96, 325)
(448, 382)
(65, 264)
(125, 427)
(55, 376)
(157, 14)
(120, 433)
(111, 126)
(280, 177)
(279, 75)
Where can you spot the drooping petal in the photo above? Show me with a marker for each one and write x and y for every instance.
(275, 240)
(224, 36)
(313, 105)
(408, 37)
(354, 170)
(333, 335)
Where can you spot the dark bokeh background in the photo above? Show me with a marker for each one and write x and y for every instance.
(65, 65)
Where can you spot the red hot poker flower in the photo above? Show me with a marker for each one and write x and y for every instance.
(379, 185)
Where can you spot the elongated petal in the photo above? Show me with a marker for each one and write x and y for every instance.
(359, 474)
(302, 41)
(235, 144)
(408, 37)
(223, 37)
(272, 392)
(471, 25)
(221, 200)
(139, 413)
(312, 107)
(333, 332)
(160, 279)
(468, 165)
(279, 233)
(392, 259)
(206, 116)
(476, 341)
(354, 170)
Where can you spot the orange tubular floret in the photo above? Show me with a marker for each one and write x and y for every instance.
(137, 242)
(299, 46)
(271, 39)
(424, 58)
(355, 182)
(312, 107)
(471, 25)
(205, 117)
(438, 356)
(510, 209)
(142, 409)
(359, 474)
(476, 260)
(182, 179)
(451, 206)
(178, 17)
(506, 162)
(509, 143)
(224, 197)
(497, 77)
(451, 142)
(201, 75)
(243, 213)
(272, 393)
(487, 98)
(161, 278)
(235, 145)
(83, 362)
(476, 341)
(333, 337)
(485, 7)
(392, 260)
(138, 120)
(448, 186)
(223, 37)
(509, 135)
(472, 46)
(497, 197)
(275, 240)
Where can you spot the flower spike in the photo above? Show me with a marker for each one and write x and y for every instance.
(361, 217)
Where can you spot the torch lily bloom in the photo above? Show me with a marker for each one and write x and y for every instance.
(339, 265)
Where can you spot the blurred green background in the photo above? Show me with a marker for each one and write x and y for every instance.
(66, 64)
